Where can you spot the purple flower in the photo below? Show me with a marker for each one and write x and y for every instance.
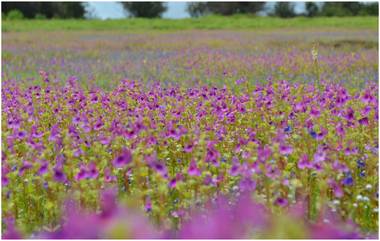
(338, 191)
(285, 150)
(98, 125)
(314, 112)
(322, 134)
(350, 114)
(123, 159)
(54, 132)
(59, 175)
(319, 156)
(339, 129)
(247, 184)
(92, 171)
(240, 81)
(188, 148)
(82, 174)
(10, 232)
(264, 153)
(234, 171)
(328, 231)
(21, 135)
(148, 204)
(25, 166)
(43, 168)
(363, 121)
(173, 183)
(304, 162)
(108, 203)
(209, 180)
(108, 177)
(193, 169)
(282, 202)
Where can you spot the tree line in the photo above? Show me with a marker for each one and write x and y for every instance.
(30, 10)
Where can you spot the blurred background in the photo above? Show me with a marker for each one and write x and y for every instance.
(176, 10)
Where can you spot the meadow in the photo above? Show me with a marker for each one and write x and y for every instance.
(203, 128)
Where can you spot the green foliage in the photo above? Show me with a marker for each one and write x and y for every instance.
(145, 9)
(15, 15)
(208, 22)
(312, 9)
(370, 9)
(40, 16)
(48, 9)
(196, 9)
(284, 10)
(350, 9)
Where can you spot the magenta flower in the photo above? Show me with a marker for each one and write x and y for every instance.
(54, 132)
(43, 168)
(304, 162)
(82, 174)
(363, 121)
(148, 204)
(98, 125)
(188, 148)
(193, 169)
(25, 166)
(247, 184)
(108, 177)
(173, 183)
(59, 175)
(92, 171)
(350, 114)
(285, 150)
(282, 202)
(123, 159)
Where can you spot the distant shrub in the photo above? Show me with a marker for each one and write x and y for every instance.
(15, 14)
(40, 16)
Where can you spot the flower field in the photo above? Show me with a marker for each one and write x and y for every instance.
(192, 134)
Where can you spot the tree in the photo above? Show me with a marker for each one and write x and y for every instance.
(371, 9)
(47, 9)
(196, 9)
(341, 8)
(312, 9)
(284, 10)
(145, 9)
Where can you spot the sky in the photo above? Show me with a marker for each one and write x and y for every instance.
(104, 10)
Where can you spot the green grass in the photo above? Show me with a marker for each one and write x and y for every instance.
(210, 22)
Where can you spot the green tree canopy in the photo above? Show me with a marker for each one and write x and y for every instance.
(145, 9)
(196, 9)
(47, 9)
(284, 10)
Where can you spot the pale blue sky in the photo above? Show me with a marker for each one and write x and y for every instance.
(106, 10)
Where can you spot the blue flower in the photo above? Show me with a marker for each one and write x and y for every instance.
(313, 134)
(348, 181)
(288, 129)
(362, 173)
(360, 163)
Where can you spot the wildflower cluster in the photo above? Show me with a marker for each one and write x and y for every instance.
(172, 149)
